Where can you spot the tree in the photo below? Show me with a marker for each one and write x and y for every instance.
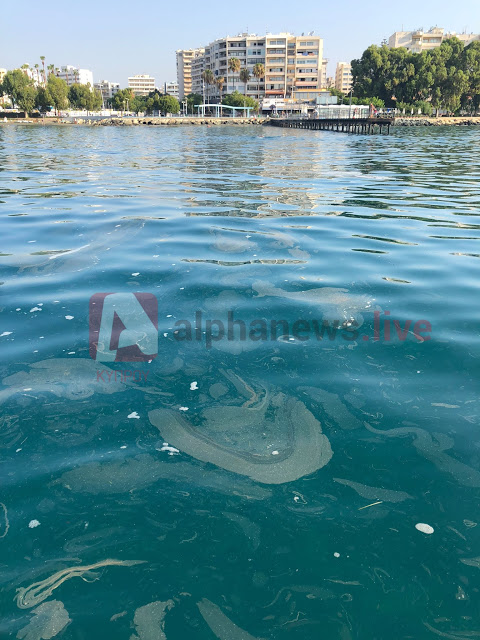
(138, 104)
(259, 73)
(220, 81)
(234, 65)
(79, 95)
(446, 77)
(193, 99)
(169, 104)
(96, 100)
(208, 78)
(43, 100)
(58, 91)
(236, 99)
(20, 88)
(82, 96)
(245, 77)
(119, 100)
(163, 103)
(471, 65)
(42, 58)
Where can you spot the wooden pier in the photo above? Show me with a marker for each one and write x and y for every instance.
(343, 125)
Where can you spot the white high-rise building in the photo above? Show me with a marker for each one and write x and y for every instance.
(73, 75)
(420, 40)
(141, 85)
(197, 68)
(185, 59)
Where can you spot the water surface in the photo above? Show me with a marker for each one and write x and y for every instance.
(242, 219)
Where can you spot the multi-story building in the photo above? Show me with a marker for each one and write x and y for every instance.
(171, 88)
(107, 89)
(419, 40)
(73, 75)
(293, 64)
(324, 73)
(343, 77)
(185, 58)
(197, 68)
(141, 85)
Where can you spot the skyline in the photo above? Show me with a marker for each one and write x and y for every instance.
(124, 40)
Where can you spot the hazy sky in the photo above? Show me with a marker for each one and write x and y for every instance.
(118, 39)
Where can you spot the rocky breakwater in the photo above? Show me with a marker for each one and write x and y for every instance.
(123, 122)
(436, 122)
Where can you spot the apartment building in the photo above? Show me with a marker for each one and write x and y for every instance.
(72, 75)
(171, 88)
(185, 59)
(419, 40)
(107, 89)
(197, 68)
(141, 85)
(292, 64)
(343, 77)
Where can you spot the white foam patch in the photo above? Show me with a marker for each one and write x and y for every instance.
(424, 528)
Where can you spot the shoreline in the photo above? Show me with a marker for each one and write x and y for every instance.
(108, 121)
(423, 121)
(413, 121)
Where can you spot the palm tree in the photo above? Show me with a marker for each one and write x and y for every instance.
(245, 77)
(208, 78)
(259, 73)
(42, 58)
(234, 65)
(25, 68)
(220, 81)
(50, 68)
(37, 66)
(76, 75)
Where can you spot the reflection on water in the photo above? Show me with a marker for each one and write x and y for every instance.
(269, 488)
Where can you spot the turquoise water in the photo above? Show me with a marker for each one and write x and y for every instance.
(285, 499)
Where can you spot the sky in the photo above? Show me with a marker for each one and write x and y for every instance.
(116, 40)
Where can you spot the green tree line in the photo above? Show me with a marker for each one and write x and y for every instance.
(54, 93)
(447, 77)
